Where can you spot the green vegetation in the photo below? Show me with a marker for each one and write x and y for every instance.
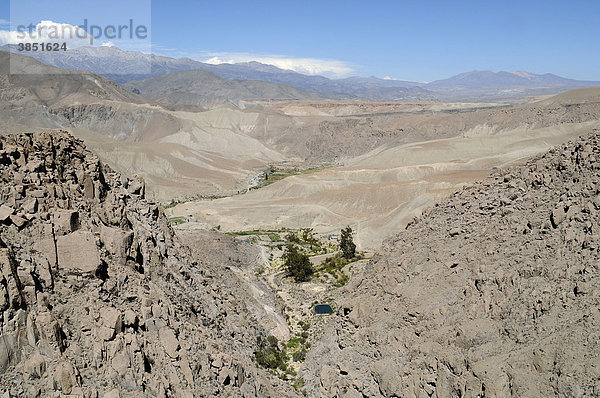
(297, 263)
(269, 355)
(292, 237)
(272, 234)
(274, 237)
(252, 232)
(298, 345)
(298, 384)
(177, 220)
(300, 355)
(347, 245)
(294, 342)
(275, 174)
(307, 236)
(171, 204)
(333, 266)
(304, 325)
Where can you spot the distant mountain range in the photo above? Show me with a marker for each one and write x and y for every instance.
(486, 78)
(485, 85)
(470, 86)
(201, 88)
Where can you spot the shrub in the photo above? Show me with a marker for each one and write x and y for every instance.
(300, 355)
(297, 264)
(274, 237)
(269, 355)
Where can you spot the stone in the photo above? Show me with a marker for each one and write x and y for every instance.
(136, 186)
(169, 341)
(69, 300)
(36, 193)
(35, 366)
(114, 393)
(557, 217)
(18, 221)
(130, 318)
(88, 187)
(77, 252)
(117, 242)
(31, 206)
(65, 377)
(5, 212)
(454, 232)
(32, 333)
(46, 245)
(120, 363)
(65, 221)
(11, 281)
(7, 352)
(111, 318)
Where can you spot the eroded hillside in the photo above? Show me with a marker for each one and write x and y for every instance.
(492, 292)
(379, 191)
(99, 298)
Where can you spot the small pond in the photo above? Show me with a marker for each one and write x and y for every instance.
(323, 309)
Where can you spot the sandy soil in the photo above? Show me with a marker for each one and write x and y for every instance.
(378, 194)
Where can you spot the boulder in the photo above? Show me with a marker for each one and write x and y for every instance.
(5, 212)
(117, 242)
(77, 252)
(65, 377)
(557, 216)
(169, 341)
(31, 206)
(18, 221)
(10, 280)
(65, 221)
(120, 363)
(130, 318)
(111, 318)
(35, 366)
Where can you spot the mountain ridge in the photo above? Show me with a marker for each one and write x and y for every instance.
(124, 66)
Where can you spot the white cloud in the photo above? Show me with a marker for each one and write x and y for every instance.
(75, 36)
(307, 66)
(47, 31)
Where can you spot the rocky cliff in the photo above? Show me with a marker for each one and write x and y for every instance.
(493, 292)
(98, 298)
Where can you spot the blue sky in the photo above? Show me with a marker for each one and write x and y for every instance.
(414, 40)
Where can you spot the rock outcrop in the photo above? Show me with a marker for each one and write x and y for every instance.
(98, 298)
(494, 292)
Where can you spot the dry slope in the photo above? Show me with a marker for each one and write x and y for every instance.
(494, 292)
(97, 295)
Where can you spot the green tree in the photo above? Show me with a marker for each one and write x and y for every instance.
(347, 245)
(297, 263)
(269, 355)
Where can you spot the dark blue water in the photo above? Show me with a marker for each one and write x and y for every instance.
(323, 309)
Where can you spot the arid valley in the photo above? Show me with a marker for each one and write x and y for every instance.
(281, 227)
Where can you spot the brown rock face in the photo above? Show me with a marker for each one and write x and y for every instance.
(77, 252)
(493, 292)
(98, 297)
(65, 221)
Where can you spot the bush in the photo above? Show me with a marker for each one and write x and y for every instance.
(300, 355)
(297, 264)
(274, 237)
(292, 238)
(268, 355)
